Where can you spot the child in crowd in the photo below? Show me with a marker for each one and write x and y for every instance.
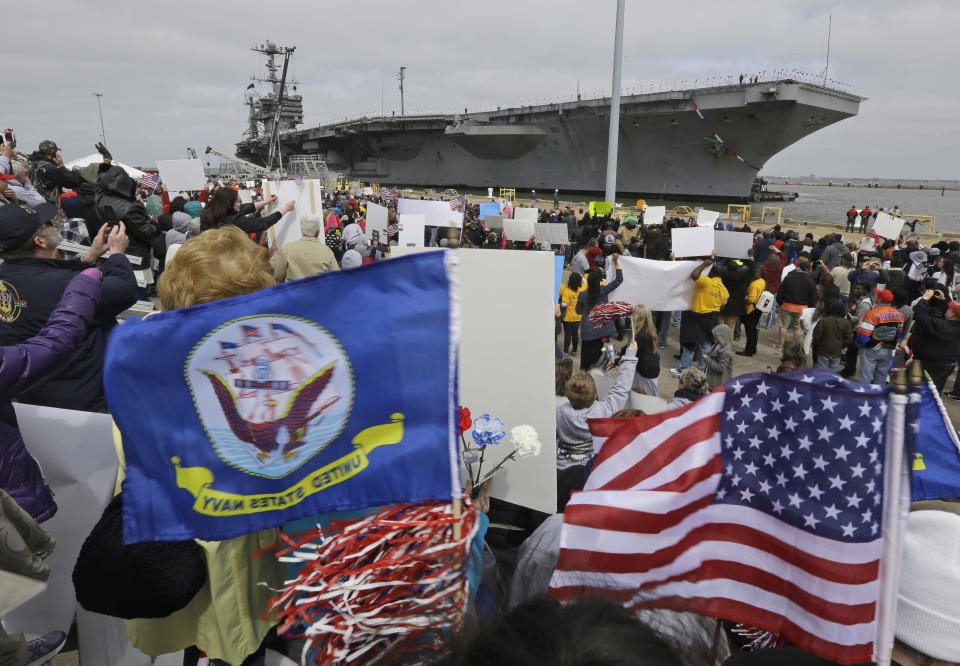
(719, 359)
(832, 334)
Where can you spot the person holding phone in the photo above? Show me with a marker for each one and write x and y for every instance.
(937, 342)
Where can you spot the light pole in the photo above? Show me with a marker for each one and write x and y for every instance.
(100, 108)
(613, 138)
(401, 76)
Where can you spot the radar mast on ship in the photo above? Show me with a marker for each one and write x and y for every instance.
(263, 105)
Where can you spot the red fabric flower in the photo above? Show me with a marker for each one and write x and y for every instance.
(465, 420)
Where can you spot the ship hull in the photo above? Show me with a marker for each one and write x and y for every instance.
(665, 149)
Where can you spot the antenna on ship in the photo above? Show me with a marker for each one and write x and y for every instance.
(827, 68)
(613, 139)
(401, 76)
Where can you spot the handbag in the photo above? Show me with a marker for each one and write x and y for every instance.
(140, 580)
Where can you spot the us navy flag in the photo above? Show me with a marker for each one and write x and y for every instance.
(330, 393)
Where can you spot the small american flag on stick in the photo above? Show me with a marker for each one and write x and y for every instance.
(298, 180)
(459, 203)
(149, 181)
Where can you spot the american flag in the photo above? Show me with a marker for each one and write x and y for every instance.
(459, 203)
(149, 181)
(389, 195)
(760, 503)
(298, 180)
(276, 182)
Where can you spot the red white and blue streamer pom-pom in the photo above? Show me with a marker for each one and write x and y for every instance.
(607, 312)
(388, 583)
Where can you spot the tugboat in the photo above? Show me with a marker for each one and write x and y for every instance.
(759, 192)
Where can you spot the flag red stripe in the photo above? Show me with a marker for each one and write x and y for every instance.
(572, 559)
(828, 610)
(692, 477)
(665, 453)
(626, 520)
(738, 611)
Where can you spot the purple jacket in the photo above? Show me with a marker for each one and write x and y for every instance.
(22, 365)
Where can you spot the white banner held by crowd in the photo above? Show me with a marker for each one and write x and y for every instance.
(692, 241)
(377, 220)
(674, 289)
(182, 174)
(435, 213)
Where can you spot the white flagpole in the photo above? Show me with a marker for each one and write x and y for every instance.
(896, 508)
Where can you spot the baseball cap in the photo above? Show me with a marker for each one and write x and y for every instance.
(48, 146)
(953, 305)
(18, 223)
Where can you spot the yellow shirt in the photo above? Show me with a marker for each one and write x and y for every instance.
(754, 289)
(711, 295)
(570, 297)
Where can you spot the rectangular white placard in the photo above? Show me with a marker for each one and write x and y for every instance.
(707, 218)
(308, 197)
(531, 214)
(888, 226)
(674, 288)
(733, 244)
(182, 174)
(410, 230)
(519, 288)
(377, 221)
(435, 213)
(246, 196)
(551, 232)
(654, 215)
(494, 222)
(692, 241)
(82, 472)
(518, 230)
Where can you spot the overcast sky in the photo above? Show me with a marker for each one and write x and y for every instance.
(173, 74)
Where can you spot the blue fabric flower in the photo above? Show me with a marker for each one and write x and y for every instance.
(487, 430)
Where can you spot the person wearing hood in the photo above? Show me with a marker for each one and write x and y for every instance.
(351, 259)
(627, 231)
(116, 200)
(719, 359)
(179, 222)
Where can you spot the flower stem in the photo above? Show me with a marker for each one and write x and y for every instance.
(500, 464)
(476, 481)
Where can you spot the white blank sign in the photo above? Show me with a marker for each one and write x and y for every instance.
(376, 220)
(182, 174)
(733, 244)
(692, 242)
(654, 215)
(410, 230)
(519, 288)
(551, 232)
(526, 214)
(309, 200)
(494, 222)
(707, 218)
(435, 213)
(888, 226)
(518, 230)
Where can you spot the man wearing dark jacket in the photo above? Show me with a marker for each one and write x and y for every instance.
(797, 291)
(937, 344)
(834, 252)
(32, 280)
(116, 192)
(49, 176)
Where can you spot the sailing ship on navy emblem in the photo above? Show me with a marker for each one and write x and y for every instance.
(271, 391)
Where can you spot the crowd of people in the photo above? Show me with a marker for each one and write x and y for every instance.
(861, 307)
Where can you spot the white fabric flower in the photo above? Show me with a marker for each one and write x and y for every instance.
(526, 440)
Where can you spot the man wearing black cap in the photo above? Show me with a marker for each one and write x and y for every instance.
(48, 174)
(32, 280)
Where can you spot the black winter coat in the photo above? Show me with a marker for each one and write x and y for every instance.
(118, 190)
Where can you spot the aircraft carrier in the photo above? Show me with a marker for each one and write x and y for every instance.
(705, 143)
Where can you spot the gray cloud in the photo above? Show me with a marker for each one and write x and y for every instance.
(174, 76)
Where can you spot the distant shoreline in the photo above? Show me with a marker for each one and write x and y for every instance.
(869, 186)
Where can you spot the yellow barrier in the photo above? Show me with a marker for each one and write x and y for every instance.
(680, 211)
(744, 211)
(770, 211)
(921, 219)
(509, 193)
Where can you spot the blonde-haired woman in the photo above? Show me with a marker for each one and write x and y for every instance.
(223, 620)
(646, 379)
